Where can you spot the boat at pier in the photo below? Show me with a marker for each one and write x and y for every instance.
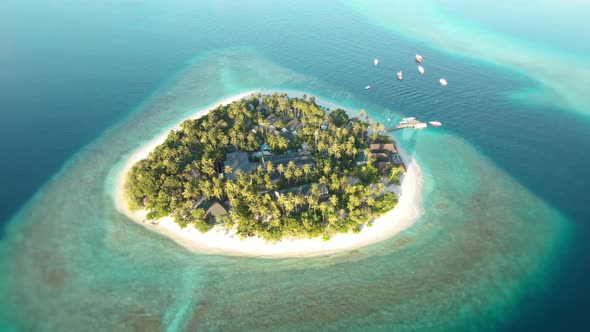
(407, 120)
(435, 123)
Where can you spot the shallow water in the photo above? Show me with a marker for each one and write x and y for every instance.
(562, 76)
(499, 214)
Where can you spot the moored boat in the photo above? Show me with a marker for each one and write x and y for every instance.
(443, 82)
(376, 61)
(420, 125)
(419, 58)
(407, 120)
(400, 75)
(367, 87)
(421, 70)
(435, 123)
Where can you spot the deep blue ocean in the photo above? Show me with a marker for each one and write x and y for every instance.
(75, 75)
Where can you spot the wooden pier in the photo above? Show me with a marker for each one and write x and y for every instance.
(399, 126)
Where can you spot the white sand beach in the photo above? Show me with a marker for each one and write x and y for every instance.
(220, 241)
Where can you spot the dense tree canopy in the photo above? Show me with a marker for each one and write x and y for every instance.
(316, 191)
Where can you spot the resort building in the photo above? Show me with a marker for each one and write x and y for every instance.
(237, 161)
(299, 158)
(386, 155)
(213, 209)
(294, 125)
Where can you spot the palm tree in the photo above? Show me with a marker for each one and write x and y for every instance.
(281, 168)
(227, 170)
(282, 143)
(327, 168)
(298, 173)
(276, 213)
(233, 136)
(291, 166)
(334, 182)
(298, 200)
(349, 147)
(207, 166)
(217, 188)
(241, 138)
(311, 202)
(205, 188)
(366, 153)
(191, 191)
(288, 174)
(230, 189)
(323, 209)
(375, 131)
(334, 201)
(306, 170)
(288, 204)
(270, 168)
(268, 184)
(356, 128)
(353, 202)
(262, 210)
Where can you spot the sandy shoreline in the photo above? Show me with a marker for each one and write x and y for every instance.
(219, 241)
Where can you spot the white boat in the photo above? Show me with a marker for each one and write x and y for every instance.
(443, 82)
(376, 61)
(435, 123)
(367, 87)
(419, 58)
(407, 120)
(421, 70)
(420, 125)
(400, 75)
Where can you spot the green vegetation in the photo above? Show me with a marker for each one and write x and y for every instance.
(307, 173)
(384, 203)
(338, 117)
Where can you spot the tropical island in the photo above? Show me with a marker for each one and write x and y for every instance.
(272, 168)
